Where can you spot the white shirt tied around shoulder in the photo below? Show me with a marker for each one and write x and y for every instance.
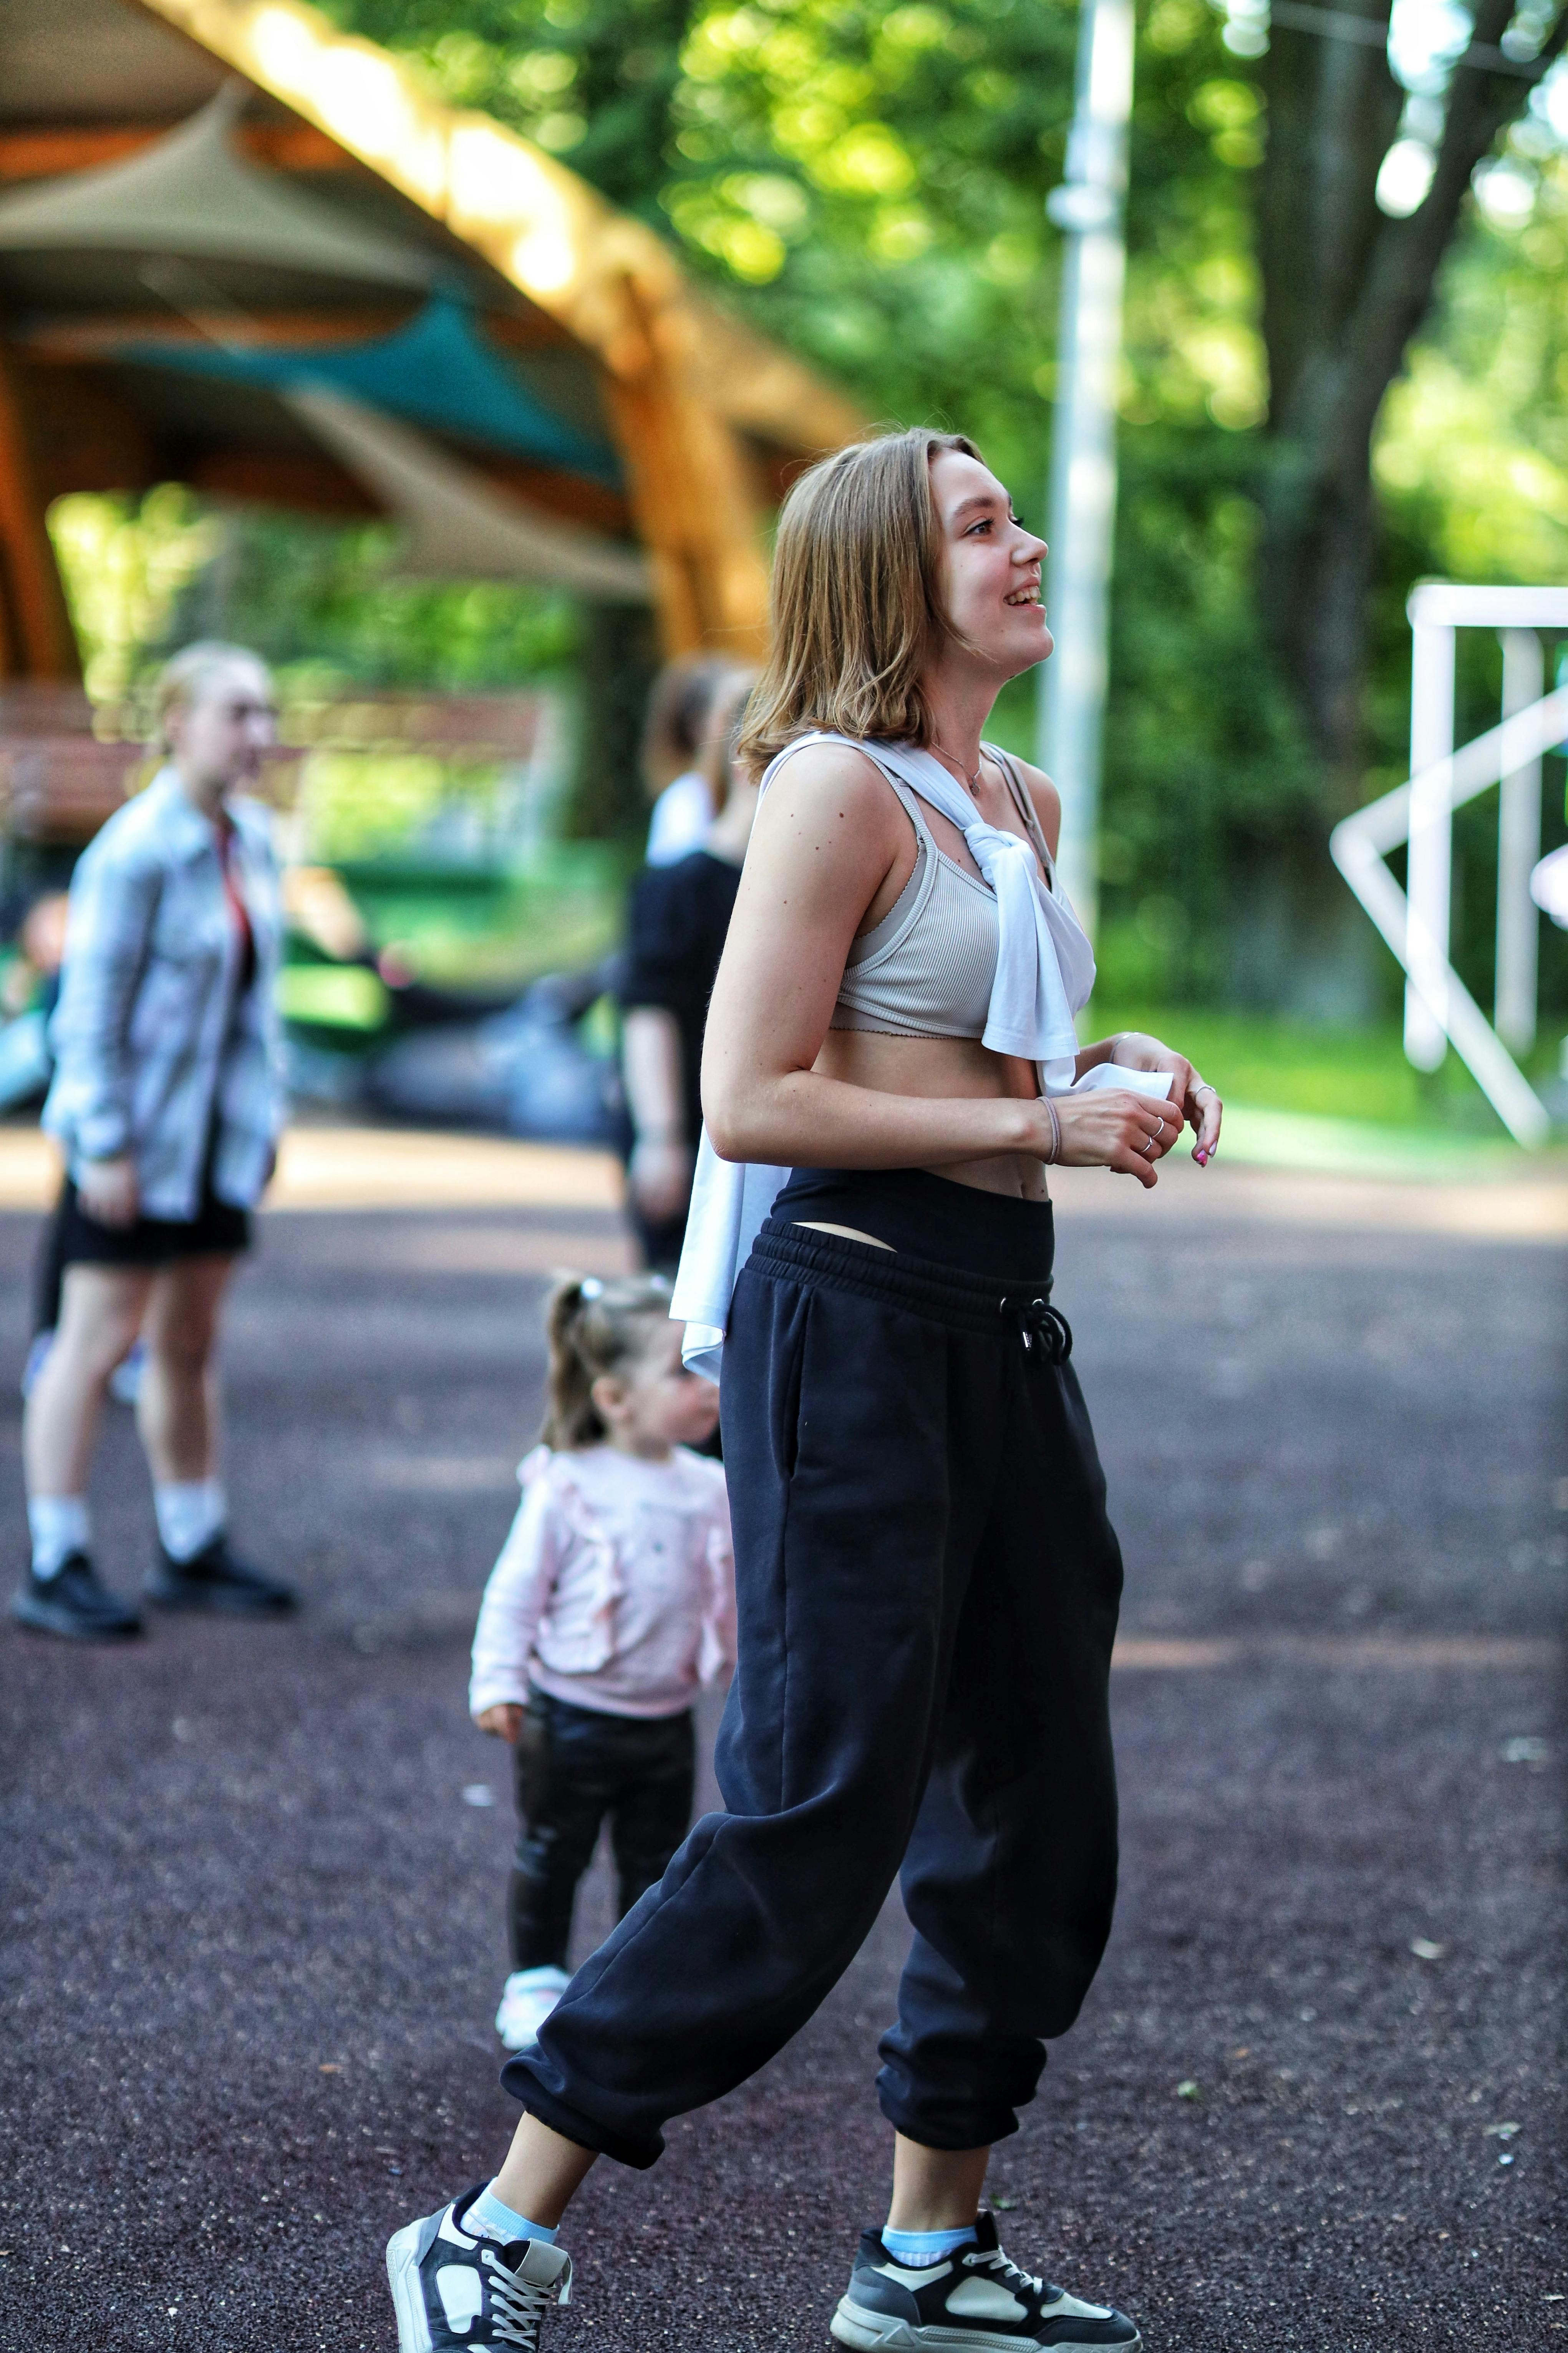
(616, 1587)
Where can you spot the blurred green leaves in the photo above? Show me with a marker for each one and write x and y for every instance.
(868, 184)
(1473, 451)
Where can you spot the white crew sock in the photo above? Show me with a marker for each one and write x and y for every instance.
(60, 1525)
(191, 1511)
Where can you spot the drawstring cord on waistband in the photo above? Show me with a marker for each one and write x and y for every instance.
(1037, 1319)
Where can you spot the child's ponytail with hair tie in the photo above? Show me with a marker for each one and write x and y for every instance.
(592, 1326)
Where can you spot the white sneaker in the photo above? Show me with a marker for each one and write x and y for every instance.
(974, 2300)
(526, 2000)
(456, 2293)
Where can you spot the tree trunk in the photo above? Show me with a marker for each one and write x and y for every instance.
(1316, 552)
(1333, 108)
(1344, 289)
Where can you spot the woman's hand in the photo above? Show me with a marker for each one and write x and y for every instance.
(659, 1176)
(1199, 1102)
(1105, 1129)
(107, 1191)
(504, 1720)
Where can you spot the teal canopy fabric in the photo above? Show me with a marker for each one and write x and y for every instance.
(436, 371)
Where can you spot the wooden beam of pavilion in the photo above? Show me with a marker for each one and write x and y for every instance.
(36, 639)
(44, 155)
(683, 381)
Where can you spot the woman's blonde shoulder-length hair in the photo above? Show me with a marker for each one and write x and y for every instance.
(855, 601)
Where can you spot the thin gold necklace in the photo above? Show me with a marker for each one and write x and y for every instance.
(972, 781)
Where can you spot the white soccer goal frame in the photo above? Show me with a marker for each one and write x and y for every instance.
(1439, 1011)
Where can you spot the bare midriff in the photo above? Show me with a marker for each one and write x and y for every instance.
(943, 1068)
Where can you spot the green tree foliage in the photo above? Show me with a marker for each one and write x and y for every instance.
(145, 574)
(868, 184)
(594, 80)
(314, 593)
(1373, 147)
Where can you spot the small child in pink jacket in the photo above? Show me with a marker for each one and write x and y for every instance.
(611, 1603)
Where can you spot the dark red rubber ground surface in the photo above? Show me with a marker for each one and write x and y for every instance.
(252, 1930)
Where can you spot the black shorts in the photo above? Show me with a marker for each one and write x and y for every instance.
(217, 1229)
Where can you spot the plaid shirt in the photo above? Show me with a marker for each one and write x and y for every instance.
(156, 1053)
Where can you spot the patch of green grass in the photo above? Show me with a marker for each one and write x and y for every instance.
(1285, 1066)
(1308, 1144)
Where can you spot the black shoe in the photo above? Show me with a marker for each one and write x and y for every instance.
(975, 2298)
(453, 2290)
(74, 1603)
(214, 1579)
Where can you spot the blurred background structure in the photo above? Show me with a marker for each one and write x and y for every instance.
(277, 319)
(448, 354)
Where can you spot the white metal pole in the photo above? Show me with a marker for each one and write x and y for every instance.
(1517, 849)
(1090, 207)
(1431, 838)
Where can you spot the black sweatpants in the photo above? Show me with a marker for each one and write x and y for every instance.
(928, 1589)
(575, 1766)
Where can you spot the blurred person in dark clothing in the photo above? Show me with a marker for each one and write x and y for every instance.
(680, 788)
(679, 918)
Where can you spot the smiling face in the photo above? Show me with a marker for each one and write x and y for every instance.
(990, 580)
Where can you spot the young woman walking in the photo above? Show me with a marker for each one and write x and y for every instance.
(928, 1583)
(167, 1099)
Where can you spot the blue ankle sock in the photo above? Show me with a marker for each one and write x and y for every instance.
(918, 2250)
(489, 2217)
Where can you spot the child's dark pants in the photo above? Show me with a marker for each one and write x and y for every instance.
(928, 1589)
(575, 1766)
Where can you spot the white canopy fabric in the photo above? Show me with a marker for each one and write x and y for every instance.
(458, 525)
(192, 195)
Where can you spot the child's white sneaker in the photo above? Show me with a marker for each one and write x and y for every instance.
(526, 2000)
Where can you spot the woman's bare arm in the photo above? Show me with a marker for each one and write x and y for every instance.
(825, 839)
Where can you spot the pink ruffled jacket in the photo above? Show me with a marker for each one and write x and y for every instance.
(616, 1587)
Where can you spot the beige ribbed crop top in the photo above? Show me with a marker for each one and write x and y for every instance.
(926, 970)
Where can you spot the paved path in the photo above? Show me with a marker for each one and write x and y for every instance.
(252, 1933)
